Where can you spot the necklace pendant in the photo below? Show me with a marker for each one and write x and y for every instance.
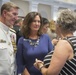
(31, 43)
(34, 43)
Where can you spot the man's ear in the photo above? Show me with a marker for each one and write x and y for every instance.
(4, 13)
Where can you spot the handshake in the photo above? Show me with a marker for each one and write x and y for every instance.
(39, 64)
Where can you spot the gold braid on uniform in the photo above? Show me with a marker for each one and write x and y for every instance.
(13, 40)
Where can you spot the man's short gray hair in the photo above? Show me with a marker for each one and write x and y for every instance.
(7, 6)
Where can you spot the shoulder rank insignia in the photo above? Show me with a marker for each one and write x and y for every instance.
(12, 30)
(2, 41)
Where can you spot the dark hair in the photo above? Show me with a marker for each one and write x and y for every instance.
(45, 21)
(26, 24)
(67, 20)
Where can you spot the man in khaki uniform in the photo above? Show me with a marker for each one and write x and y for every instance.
(9, 14)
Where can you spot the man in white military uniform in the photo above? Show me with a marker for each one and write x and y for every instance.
(9, 14)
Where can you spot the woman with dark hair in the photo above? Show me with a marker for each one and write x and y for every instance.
(62, 60)
(45, 25)
(33, 44)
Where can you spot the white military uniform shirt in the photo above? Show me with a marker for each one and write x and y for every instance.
(7, 58)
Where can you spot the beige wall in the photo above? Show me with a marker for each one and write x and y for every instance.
(45, 10)
(24, 6)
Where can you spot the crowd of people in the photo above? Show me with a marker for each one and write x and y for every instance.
(26, 48)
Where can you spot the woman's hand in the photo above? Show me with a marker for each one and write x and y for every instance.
(54, 41)
(38, 64)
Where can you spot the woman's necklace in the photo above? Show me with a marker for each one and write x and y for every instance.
(34, 43)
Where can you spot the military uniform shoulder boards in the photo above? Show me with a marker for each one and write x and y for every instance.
(12, 30)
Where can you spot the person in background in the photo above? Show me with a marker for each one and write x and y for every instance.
(51, 32)
(17, 28)
(45, 25)
(9, 14)
(63, 58)
(33, 44)
(52, 29)
(46, 30)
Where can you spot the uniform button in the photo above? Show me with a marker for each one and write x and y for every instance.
(9, 43)
(11, 54)
(7, 32)
(2, 47)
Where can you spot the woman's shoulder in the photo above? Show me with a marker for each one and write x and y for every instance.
(21, 39)
(61, 41)
(45, 35)
(63, 45)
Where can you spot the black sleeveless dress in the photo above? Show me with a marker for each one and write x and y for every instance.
(70, 65)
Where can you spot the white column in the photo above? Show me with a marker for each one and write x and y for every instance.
(54, 11)
(33, 6)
